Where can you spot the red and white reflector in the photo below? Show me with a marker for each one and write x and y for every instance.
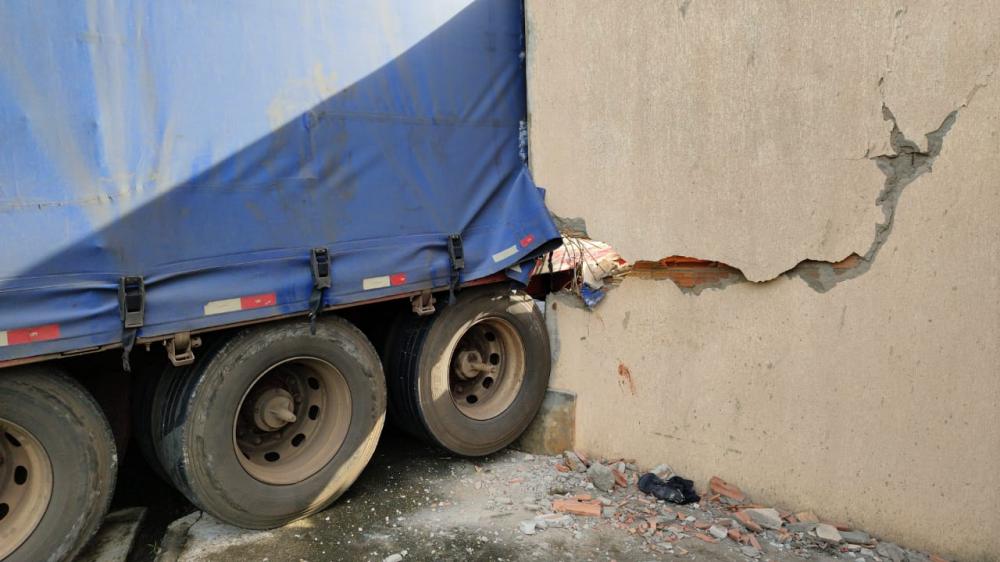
(383, 281)
(34, 334)
(511, 250)
(241, 303)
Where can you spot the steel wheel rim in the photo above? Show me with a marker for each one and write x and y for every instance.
(487, 368)
(25, 485)
(292, 420)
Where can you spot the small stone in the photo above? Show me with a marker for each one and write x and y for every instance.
(620, 467)
(529, 458)
(602, 476)
(604, 501)
(553, 520)
(393, 558)
(527, 527)
(856, 537)
(765, 517)
(608, 512)
(718, 532)
(632, 466)
(573, 462)
(505, 500)
(662, 471)
(827, 532)
(750, 551)
(890, 551)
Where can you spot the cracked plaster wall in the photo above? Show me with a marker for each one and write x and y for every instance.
(750, 133)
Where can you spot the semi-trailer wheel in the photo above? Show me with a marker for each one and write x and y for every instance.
(272, 424)
(471, 377)
(57, 465)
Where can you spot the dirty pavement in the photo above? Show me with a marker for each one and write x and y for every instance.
(415, 502)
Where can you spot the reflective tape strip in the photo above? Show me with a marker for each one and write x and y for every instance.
(29, 335)
(504, 254)
(383, 281)
(241, 303)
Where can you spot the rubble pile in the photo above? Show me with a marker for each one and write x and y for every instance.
(594, 493)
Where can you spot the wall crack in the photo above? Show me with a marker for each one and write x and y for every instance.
(901, 168)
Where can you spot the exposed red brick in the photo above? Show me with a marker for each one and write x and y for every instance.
(589, 509)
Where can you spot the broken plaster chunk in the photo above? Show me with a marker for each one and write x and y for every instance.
(527, 527)
(573, 462)
(602, 476)
(766, 517)
(828, 533)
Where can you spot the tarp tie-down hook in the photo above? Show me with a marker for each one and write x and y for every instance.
(132, 306)
(457, 256)
(319, 261)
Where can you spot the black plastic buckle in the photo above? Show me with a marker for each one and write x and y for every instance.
(457, 255)
(132, 301)
(132, 306)
(319, 261)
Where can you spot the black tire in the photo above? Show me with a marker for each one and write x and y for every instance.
(62, 417)
(195, 421)
(417, 374)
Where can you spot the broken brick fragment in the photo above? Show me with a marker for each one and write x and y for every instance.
(749, 523)
(705, 538)
(734, 534)
(619, 478)
(585, 508)
(723, 488)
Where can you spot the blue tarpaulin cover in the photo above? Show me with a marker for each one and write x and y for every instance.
(208, 147)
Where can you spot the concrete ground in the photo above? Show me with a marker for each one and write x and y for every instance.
(418, 503)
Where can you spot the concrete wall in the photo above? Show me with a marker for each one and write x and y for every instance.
(753, 133)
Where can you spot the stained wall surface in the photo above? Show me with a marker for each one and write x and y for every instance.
(758, 134)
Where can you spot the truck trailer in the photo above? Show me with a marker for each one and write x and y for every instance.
(237, 234)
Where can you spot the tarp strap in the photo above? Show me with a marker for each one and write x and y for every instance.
(457, 255)
(132, 306)
(319, 261)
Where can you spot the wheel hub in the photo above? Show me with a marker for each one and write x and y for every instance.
(25, 485)
(292, 420)
(274, 409)
(487, 368)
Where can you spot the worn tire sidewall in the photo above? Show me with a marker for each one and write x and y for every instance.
(444, 421)
(212, 469)
(71, 427)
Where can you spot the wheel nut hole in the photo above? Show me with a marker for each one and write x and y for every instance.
(490, 336)
(20, 475)
(298, 439)
(313, 412)
(472, 399)
(494, 359)
(272, 457)
(4, 510)
(13, 440)
(487, 382)
(313, 383)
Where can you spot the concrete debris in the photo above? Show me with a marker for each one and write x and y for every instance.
(393, 558)
(856, 537)
(765, 517)
(828, 532)
(573, 462)
(891, 551)
(527, 527)
(602, 476)
(662, 471)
